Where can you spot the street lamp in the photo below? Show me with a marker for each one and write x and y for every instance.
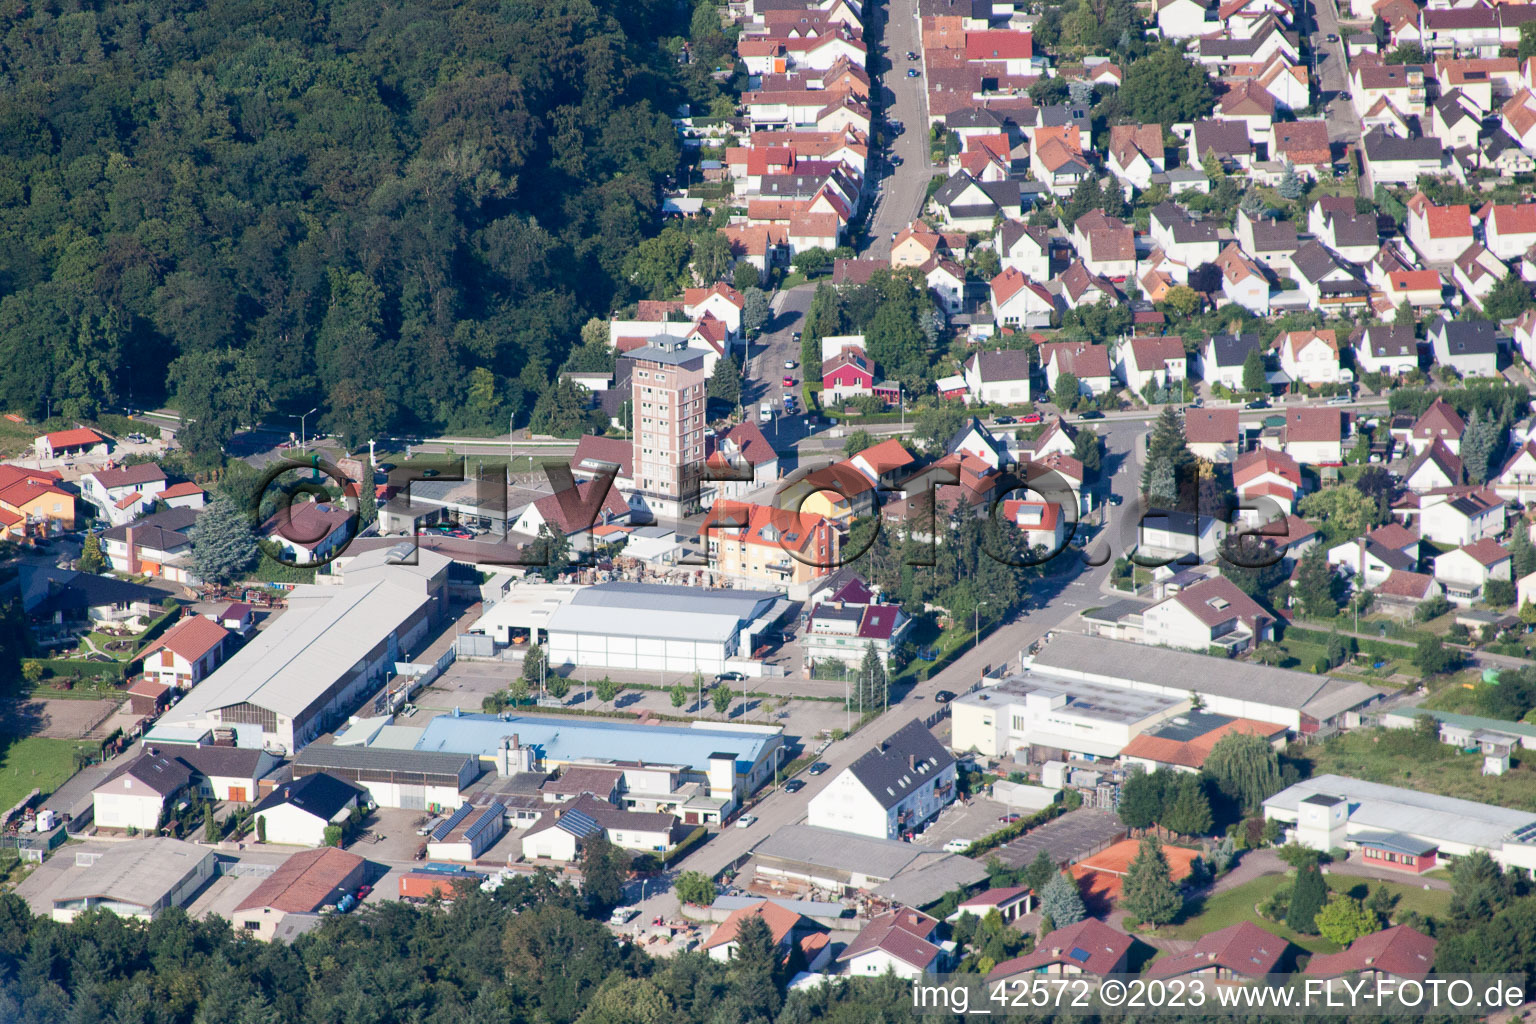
(303, 438)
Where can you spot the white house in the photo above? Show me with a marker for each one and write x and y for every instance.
(1439, 233)
(1262, 476)
(1213, 613)
(1024, 249)
(1183, 19)
(1314, 436)
(1516, 480)
(1088, 363)
(900, 941)
(1000, 377)
(890, 790)
(1471, 347)
(1466, 570)
(120, 494)
(135, 796)
(1017, 301)
(1243, 281)
(1462, 519)
(1510, 229)
(1160, 359)
(186, 653)
(1311, 357)
(1386, 348)
(1223, 358)
(297, 813)
(1440, 422)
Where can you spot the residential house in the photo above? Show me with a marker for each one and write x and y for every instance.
(852, 619)
(1266, 480)
(1354, 236)
(1439, 233)
(1239, 952)
(1087, 362)
(1434, 468)
(1372, 558)
(1388, 349)
(899, 941)
(1018, 301)
(1477, 272)
(1042, 523)
(1249, 102)
(1223, 358)
(1390, 160)
(848, 374)
(1439, 422)
(576, 512)
(1518, 117)
(1400, 86)
(999, 377)
(1272, 242)
(1509, 229)
(769, 545)
(976, 441)
(1516, 479)
(186, 653)
(1212, 434)
(720, 301)
(737, 462)
(120, 494)
(946, 282)
(1081, 287)
(79, 442)
(1398, 952)
(1326, 279)
(1304, 144)
(1243, 281)
(309, 532)
(297, 813)
(136, 794)
(1024, 249)
(796, 938)
(159, 545)
(1465, 571)
(1227, 141)
(1462, 518)
(1184, 19)
(1106, 245)
(1455, 120)
(34, 502)
(1311, 357)
(1136, 153)
(1403, 591)
(1420, 289)
(966, 204)
(1159, 361)
(1088, 947)
(1471, 347)
(890, 790)
(915, 245)
(1056, 159)
(1214, 613)
(1189, 241)
(1314, 436)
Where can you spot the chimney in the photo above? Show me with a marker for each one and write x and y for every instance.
(133, 554)
(912, 762)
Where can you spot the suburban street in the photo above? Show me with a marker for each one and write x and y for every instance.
(901, 193)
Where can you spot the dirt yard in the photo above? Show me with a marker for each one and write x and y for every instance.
(54, 719)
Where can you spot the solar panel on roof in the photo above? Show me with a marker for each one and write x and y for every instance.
(486, 819)
(442, 830)
(578, 824)
(1080, 954)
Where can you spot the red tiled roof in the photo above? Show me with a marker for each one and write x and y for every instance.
(1192, 753)
(1243, 948)
(1210, 426)
(129, 476)
(1313, 425)
(886, 456)
(1401, 583)
(780, 920)
(80, 437)
(901, 933)
(568, 511)
(1400, 951)
(1103, 946)
(304, 882)
(1260, 461)
(1001, 44)
(191, 638)
(1487, 551)
(185, 489)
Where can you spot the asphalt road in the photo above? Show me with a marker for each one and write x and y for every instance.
(1333, 78)
(902, 190)
(1052, 602)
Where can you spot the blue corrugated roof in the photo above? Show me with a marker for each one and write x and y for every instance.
(576, 739)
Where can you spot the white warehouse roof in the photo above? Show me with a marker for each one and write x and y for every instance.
(660, 612)
(1373, 805)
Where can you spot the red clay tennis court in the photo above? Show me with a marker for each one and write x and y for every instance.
(1101, 876)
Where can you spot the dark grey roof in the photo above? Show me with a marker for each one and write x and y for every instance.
(952, 188)
(902, 764)
(319, 794)
(224, 762)
(1184, 227)
(1190, 725)
(47, 590)
(1055, 115)
(1274, 235)
(1468, 337)
(160, 530)
(1389, 557)
(380, 759)
(972, 117)
(973, 424)
(1397, 842)
(1379, 145)
(161, 773)
(1354, 228)
(1009, 364)
(1314, 261)
(1233, 349)
(1496, 142)
(678, 355)
(1003, 193)
(1383, 340)
(1224, 138)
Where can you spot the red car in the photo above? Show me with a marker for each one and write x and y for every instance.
(1033, 417)
(363, 890)
(789, 382)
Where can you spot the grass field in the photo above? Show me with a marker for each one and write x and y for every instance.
(1396, 757)
(1237, 905)
(34, 763)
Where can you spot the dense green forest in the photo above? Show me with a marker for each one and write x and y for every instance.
(400, 211)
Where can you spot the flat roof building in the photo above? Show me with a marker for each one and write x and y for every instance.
(1050, 719)
(1337, 811)
(659, 627)
(1302, 702)
(731, 760)
(302, 674)
(410, 779)
(840, 861)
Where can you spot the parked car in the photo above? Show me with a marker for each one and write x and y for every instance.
(913, 72)
(363, 891)
(944, 696)
(746, 821)
(1004, 420)
(1008, 819)
(790, 364)
(818, 768)
(957, 846)
(730, 677)
(895, 160)
(1091, 414)
(1031, 417)
(623, 915)
(1340, 400)
(1257, 403)
(911, 55)
(789, 381)
(794, 785)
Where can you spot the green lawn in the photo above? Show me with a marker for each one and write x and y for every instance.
(1398, 758)
(1237, 905)
(33, 763)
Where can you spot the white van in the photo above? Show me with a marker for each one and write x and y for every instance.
(765, 412)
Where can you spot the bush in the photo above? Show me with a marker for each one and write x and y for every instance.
(1431, 609)
(1499, 593)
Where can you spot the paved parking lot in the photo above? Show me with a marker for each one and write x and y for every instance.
(961, 821)
(1068, 839)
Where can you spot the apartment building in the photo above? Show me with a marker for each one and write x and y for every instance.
(668, 389)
